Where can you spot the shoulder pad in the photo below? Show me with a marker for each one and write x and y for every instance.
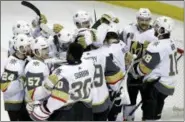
(155, 46)
(36, 66)
(13, 64)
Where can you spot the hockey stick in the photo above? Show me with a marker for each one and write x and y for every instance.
(42, 26)
(137, 106)
(31, 6)
(95, 15)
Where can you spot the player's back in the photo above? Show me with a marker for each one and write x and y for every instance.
(100, 91)
(165, 53)
(35, 72)
(107, 73)
(117, 52)
(79, 78)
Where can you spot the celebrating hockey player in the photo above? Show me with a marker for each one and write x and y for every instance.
(20, 27)
(71, 96)
(106, 73)
(137, 37)
(83, 20)
(12, 80)
(159, 68)
(118, 51)
(36, 71)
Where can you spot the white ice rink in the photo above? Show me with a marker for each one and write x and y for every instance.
(62, 12)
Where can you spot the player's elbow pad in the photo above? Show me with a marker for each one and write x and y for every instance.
(13, 88)
(40, 93)
(142, 70)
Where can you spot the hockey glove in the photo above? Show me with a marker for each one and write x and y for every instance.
(30, 106)
(43, 19)
(116, 20)
(57, 28)
(40, 113)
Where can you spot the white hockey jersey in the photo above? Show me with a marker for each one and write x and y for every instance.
(160, 61)
(36, 73)
(136, 40)
(73, 83)
(11, 83)
(117, 52)
(106, 73)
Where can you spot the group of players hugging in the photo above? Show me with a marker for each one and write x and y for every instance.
(92, 74)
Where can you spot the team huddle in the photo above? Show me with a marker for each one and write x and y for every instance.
(93, 74)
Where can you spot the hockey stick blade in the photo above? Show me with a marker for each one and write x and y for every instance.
(31, 6)
(131, 113)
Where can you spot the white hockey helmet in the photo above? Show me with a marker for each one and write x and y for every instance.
(144, 18)
(40, 47)
(21, 27)
(82, 19)
(21, 42)
(163, 25)
(65, 38)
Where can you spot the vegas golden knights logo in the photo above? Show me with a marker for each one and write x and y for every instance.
(136, 48)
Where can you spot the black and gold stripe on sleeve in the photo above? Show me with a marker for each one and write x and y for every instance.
(113, 74)
(148, 63)
(61, 90)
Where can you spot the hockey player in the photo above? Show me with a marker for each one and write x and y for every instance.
(36, 71)
(64, 39)
(71, 96)
(106, 73)
(137, 37)
(23, 27)
(12, 82)
(49, 31)
(118, 51)
(83, 20)
(159, 68)
(20, 27)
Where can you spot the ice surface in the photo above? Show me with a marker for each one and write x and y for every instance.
(62, 12)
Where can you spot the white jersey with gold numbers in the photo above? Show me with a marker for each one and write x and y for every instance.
(11, 83)
(160, 62)
(36, 73)
(106, 73)
(72, 83)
